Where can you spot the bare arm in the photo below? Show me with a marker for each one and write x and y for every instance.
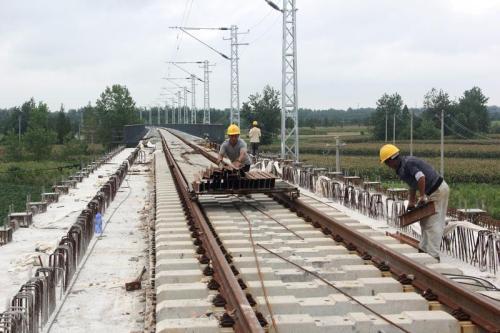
(421, 189)
(411, 199)
(239, 161)
(243, 155)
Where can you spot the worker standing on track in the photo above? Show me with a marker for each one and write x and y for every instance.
(235, 149)
(255, 135)
(430, 185)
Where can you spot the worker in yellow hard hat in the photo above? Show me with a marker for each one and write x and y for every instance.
(420, 176)
(235, 149)
(255, 135)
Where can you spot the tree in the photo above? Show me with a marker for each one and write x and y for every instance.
(62, 125)
(265, 109)
(39, 138)
(13, 148)
(426, 130)
(404, 128)
(387, 106)
(471, 113)
(436, 101)
(115, 109)
(90, 123)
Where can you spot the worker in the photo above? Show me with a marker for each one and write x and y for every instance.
(142, 152)
(235, 149)
(255, 135)
(430, 185)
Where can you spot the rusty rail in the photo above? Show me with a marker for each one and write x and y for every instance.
(245, 320)
(463, 303)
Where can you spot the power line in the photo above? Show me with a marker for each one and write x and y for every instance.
(467, 129)
(268, 29)
(261, 20)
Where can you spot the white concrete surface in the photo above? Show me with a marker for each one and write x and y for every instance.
(98, 301)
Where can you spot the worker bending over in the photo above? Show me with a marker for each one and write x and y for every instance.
(235, 149)
(430, 185)
(254, 134)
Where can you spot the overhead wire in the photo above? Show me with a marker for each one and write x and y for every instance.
(185, 17)
(465, 128)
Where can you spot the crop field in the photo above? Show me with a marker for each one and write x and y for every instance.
(472, 167)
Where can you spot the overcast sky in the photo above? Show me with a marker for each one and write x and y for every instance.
(350, 52)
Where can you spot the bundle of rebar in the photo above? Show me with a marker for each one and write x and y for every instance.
(226, 178)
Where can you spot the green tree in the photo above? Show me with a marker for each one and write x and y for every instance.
(13, 147)
(265, 109)
(436, 101)
(115, 109)
(39, 138)
(404, 127)
(471, 114)
(90, 124)
(62, 125)
(387, 106)
(426, 130)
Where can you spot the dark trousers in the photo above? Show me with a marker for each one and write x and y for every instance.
(244, 169)
(255, 148)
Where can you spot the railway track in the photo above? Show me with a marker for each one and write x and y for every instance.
(270, 263)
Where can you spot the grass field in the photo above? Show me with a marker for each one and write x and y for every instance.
(18, 179)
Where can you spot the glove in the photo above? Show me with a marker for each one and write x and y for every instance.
(410, 208)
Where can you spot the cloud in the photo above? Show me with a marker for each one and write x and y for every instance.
(349, 52)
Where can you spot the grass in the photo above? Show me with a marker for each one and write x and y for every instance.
(18, 179)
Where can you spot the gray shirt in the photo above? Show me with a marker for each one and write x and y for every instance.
(411, 168)
(233, 152)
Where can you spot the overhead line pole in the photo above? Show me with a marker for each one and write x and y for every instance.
(185, 106)
(411, 133)
(442, 143)
(171, 79)
(289, 89)
(179, 112)
(206, 84)
(206, 92)
(235, 89)
(235, 76)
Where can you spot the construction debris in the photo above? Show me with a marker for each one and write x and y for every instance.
(136, 284)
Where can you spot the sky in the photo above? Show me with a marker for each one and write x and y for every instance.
(349, 52)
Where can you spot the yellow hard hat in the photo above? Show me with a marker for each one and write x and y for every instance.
(388, 151)
(233, 130)
(255, 123)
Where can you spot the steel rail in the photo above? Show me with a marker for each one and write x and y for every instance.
(465, 303)
(197, 148)
(237, 303)
(482, 311)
